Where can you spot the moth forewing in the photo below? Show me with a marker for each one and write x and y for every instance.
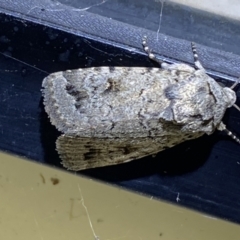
(79, 153)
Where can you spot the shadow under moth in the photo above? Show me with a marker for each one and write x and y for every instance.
(112, 115)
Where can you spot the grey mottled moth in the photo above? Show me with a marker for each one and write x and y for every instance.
(111, 115)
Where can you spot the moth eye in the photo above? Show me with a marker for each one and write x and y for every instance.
(230, 96)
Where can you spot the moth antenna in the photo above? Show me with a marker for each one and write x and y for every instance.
(222, 127)
(197, 63)
(229, 133)
(235, 84)
(148, 51)
(237, 107)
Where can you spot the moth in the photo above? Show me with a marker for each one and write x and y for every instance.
(112, 115)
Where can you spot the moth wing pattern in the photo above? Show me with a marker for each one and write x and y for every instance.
(79, 153)
(79, 100)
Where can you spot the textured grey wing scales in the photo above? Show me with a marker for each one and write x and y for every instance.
(79, 153)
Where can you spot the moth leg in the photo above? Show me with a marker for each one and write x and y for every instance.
(222, 127)
(229, 133)
(149, 53)
(197, 63)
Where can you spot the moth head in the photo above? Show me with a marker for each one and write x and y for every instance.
(230, 96)
(198, 105)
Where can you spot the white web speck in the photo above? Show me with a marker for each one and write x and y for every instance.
(89, 219)
(177, 198)
(160, 18)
